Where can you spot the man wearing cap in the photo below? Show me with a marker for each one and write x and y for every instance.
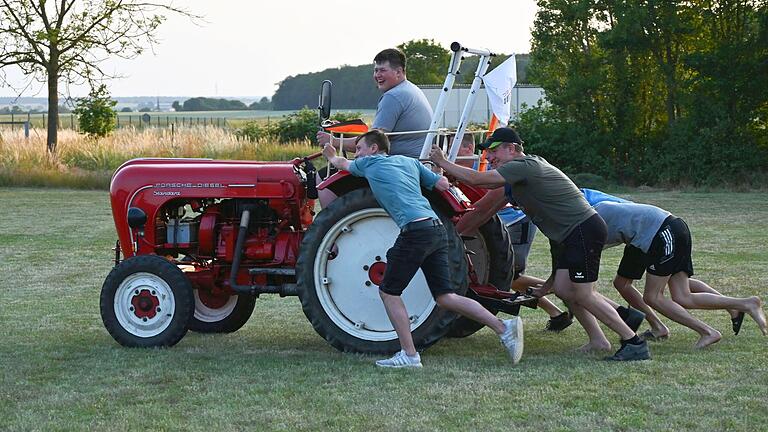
(396, 183)
(576, 232)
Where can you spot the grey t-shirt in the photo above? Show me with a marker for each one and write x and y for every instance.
(631, 223)
(404, 108)
(546, 195)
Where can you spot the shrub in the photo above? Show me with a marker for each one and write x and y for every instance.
(95, 113)
(301, 125)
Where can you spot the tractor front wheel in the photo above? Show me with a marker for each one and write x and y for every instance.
(146, 301)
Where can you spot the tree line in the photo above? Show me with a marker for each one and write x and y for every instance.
(652, 91)
(214, 104)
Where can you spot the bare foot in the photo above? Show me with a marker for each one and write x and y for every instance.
(660, 332)
(594, 347)
(709, 339)
(756, 312)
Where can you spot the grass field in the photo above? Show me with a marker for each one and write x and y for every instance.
(62, 371)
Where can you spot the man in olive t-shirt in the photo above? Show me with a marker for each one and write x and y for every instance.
(577, 233)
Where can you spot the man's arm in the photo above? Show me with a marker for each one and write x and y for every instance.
(324, 138)
(442, 184)
(339, 162)
(485, 207)
(485, 179)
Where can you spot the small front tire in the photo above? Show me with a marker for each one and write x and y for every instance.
(146, 301)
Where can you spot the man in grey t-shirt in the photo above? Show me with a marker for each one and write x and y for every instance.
(402, 108)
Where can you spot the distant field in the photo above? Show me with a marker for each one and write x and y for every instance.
(216, 118)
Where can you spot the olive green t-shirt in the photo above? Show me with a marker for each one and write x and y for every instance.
(546, 195)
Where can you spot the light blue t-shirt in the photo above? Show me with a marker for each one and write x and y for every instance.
(510, 215)
(404, 108)
(396, 183)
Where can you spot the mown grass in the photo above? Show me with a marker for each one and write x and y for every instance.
(62, 371)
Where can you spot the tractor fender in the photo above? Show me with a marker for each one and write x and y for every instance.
(451, 201)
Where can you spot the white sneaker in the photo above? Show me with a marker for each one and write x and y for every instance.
(400, 360)
(512, 338)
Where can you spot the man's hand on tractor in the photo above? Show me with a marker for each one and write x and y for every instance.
(541, 291)
(436, 155)
(323, 138)
(329, 151)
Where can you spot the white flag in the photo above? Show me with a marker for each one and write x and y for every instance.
(498, 85)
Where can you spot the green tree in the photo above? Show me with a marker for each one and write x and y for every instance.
(66, 40)
(96, 113)
(426, 61)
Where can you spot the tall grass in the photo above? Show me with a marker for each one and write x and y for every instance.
(87, 163)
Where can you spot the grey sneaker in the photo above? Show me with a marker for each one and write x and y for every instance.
(630, 352)
(400, 360)
(512, 338)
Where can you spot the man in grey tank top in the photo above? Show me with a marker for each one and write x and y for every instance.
(659, 243)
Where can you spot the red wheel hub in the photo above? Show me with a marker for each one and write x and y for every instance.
(145, 304)
(376, 272)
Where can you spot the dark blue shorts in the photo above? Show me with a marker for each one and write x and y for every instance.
(424, 247)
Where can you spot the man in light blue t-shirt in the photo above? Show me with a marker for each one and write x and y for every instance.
(396, 183)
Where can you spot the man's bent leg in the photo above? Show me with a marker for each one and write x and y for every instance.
(471, 309)
(585, 295)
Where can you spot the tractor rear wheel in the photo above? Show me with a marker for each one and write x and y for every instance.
(493, 261)
(340, 264)
(220, 314)
(146, 301)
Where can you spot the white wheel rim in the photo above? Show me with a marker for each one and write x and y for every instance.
(130, 319)
(207, 314)
(340, 283)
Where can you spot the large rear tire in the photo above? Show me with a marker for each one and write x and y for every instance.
(340, 296)
(146, 301)
(221, 314)
(493, 261)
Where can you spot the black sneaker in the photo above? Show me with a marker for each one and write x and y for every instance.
(632, 317)
(559, 323)
(631, 352)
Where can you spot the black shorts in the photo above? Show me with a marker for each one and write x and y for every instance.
(580, 251)
(669, 253)
(425, 248)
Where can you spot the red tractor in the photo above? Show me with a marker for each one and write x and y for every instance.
(201, 239)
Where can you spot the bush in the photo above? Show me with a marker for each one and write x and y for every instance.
(301, 125)
(589, 180)
(95, 113)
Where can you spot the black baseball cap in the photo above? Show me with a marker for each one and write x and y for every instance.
(501, 135)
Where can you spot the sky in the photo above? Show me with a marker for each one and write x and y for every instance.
(246, 47)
